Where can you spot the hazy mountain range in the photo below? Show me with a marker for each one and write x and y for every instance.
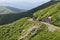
(8, 9)
(23, 4)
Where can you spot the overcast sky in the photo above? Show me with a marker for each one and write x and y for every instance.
(22, 4)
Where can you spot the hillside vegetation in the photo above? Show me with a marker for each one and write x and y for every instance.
(14, 30)
(52, 11)
(29, 25)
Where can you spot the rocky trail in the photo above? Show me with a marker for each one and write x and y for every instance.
(51, 27)
(30, 31)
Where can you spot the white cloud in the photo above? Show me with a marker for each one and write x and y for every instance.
(23, 3)
(14, 1)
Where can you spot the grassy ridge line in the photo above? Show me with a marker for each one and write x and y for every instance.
(53, 11)
(46, 12)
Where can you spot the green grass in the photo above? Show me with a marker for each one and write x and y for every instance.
(47, 36)
(56, 19)
(43, 34)
(47, 11)
(52, 11)
(14, 30)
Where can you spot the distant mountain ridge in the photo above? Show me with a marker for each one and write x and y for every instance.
(16, 10)
(8, 9)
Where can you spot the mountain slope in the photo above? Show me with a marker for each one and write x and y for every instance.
(17, 29)
(52, 12)
(36, 28)
(14, 30)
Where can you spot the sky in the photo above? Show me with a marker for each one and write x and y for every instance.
(22, 4)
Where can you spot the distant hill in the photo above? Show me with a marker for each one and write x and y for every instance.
(9, 14)
(15, 10)
(8, 9)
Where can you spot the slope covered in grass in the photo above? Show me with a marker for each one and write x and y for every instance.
(19, 28)
(43, 34)
(52, 10)
(46, 36)
(56, 19)
(14, 30)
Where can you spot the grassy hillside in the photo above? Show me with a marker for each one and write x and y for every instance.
(56, 19)
(45, 36)
(27, 28)
(51, 11)
(15, 30)
(42, 34)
